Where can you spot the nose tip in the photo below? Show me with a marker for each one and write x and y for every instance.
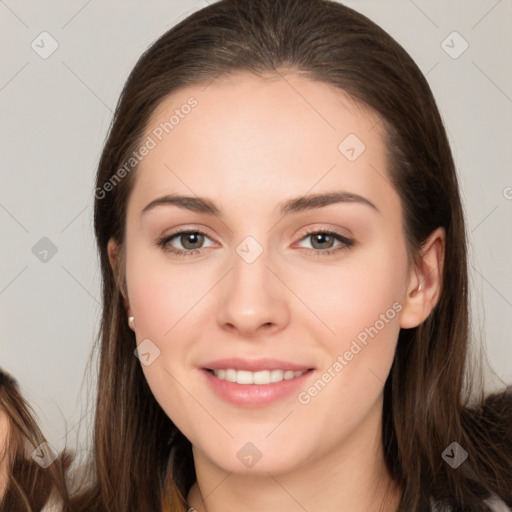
(253, 299)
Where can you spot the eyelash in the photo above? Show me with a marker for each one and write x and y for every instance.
(346, 243)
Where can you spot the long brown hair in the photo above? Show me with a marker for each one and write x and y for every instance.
(141, 461)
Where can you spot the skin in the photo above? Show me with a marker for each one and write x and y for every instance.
(250, 144)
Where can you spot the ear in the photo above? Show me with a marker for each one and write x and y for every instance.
(425, 281)
(115, 262)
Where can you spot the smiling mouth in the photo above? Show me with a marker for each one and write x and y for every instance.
(261, 377)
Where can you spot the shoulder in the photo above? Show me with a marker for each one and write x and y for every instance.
(494, 503)
(53, 506)
(497, 505)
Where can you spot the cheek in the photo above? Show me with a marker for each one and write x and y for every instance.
(165, 298)
(365, 290)
(361, 304)
(363, 310)
(161, 293)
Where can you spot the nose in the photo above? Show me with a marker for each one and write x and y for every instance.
(253, 300)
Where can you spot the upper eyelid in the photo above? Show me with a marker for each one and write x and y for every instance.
(348, 241)
(185, 231)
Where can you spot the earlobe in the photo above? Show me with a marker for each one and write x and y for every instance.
(425, 281)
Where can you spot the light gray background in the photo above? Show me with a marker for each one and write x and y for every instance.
(55, 115)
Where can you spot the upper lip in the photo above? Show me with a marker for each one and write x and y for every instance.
(254, 365)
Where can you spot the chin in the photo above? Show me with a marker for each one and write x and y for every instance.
(258, 458)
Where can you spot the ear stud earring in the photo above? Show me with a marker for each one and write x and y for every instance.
(131, 322)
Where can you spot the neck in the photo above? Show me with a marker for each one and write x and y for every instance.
(351, 477)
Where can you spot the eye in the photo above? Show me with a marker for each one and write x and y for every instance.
(323, 242)
(191, 240)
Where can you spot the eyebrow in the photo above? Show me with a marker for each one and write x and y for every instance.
(298, 204)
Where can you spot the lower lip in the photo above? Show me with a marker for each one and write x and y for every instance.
(255, 395)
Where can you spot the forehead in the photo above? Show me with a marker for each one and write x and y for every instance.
(259, 136)
(271, 103)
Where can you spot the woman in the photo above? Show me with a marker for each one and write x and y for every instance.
(25, 484)
(285, 321)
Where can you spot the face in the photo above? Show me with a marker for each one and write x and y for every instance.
(293, 287)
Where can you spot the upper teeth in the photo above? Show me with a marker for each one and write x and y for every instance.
(261, 377)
